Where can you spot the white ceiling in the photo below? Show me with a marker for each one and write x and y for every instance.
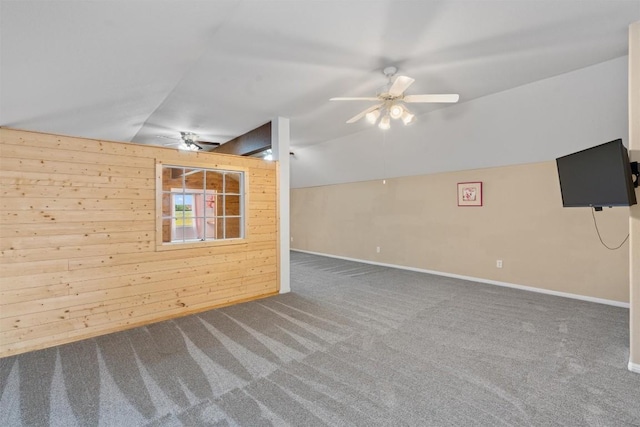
(135, 70)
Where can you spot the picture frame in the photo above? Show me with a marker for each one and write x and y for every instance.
(470, 193)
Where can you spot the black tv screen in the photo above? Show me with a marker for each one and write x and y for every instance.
(598, 176)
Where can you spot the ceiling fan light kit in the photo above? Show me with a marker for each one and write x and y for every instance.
(407, 117)
(385, 123)
(395, 111)
(372, 116)
(392, 99)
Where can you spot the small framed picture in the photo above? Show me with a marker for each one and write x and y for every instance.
(470, 193)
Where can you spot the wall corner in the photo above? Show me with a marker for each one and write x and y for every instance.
(634, 212)
(280, 137)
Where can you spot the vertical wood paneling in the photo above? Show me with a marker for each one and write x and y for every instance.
(78, 248)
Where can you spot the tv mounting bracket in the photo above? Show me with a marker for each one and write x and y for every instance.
(635, 171)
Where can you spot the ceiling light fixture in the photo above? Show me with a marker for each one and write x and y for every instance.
(407, 117)
(372, 116)
(395, 111)
(385, 122)
(391, 100)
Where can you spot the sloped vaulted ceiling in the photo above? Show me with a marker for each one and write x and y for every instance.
(138, 70)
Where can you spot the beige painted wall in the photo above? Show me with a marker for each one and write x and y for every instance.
(78, 252)
(417, 223)
(634, 219)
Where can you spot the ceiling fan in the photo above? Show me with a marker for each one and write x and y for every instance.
(190, 141)
(391, 100)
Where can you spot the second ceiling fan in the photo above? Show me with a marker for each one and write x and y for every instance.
(191, 142)
(391, 100)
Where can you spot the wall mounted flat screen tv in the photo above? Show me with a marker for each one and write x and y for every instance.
(598, 176)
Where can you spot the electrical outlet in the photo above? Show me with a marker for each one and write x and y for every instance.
(499, 263)
(377, 249)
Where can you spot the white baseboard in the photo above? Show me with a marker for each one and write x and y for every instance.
(480, 280)
(634, 367)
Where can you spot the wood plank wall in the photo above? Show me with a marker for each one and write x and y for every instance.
(78, 251)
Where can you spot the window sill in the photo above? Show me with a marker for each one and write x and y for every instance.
(195, 245)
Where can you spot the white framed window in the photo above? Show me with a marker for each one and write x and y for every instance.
(200, 205)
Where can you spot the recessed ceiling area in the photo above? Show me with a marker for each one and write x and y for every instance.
(146, 71)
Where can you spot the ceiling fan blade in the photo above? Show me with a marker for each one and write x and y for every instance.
(450, 98)
(400, 84)
(354, 99)
(363, 113)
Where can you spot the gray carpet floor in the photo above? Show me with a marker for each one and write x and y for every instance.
(352, 345)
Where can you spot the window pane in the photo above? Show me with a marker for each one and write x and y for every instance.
(220, 227)
(199, 206)
(166, 230)
(232, 183)
(219, 205)
(210, 228)
(233, 230)
(182, 203)
(178, 234)
(171, 178)
(194, 179)
(232, 205)
(214, 181)
(185, 227)
(167, 210)
(209, 204)
(199, 230)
